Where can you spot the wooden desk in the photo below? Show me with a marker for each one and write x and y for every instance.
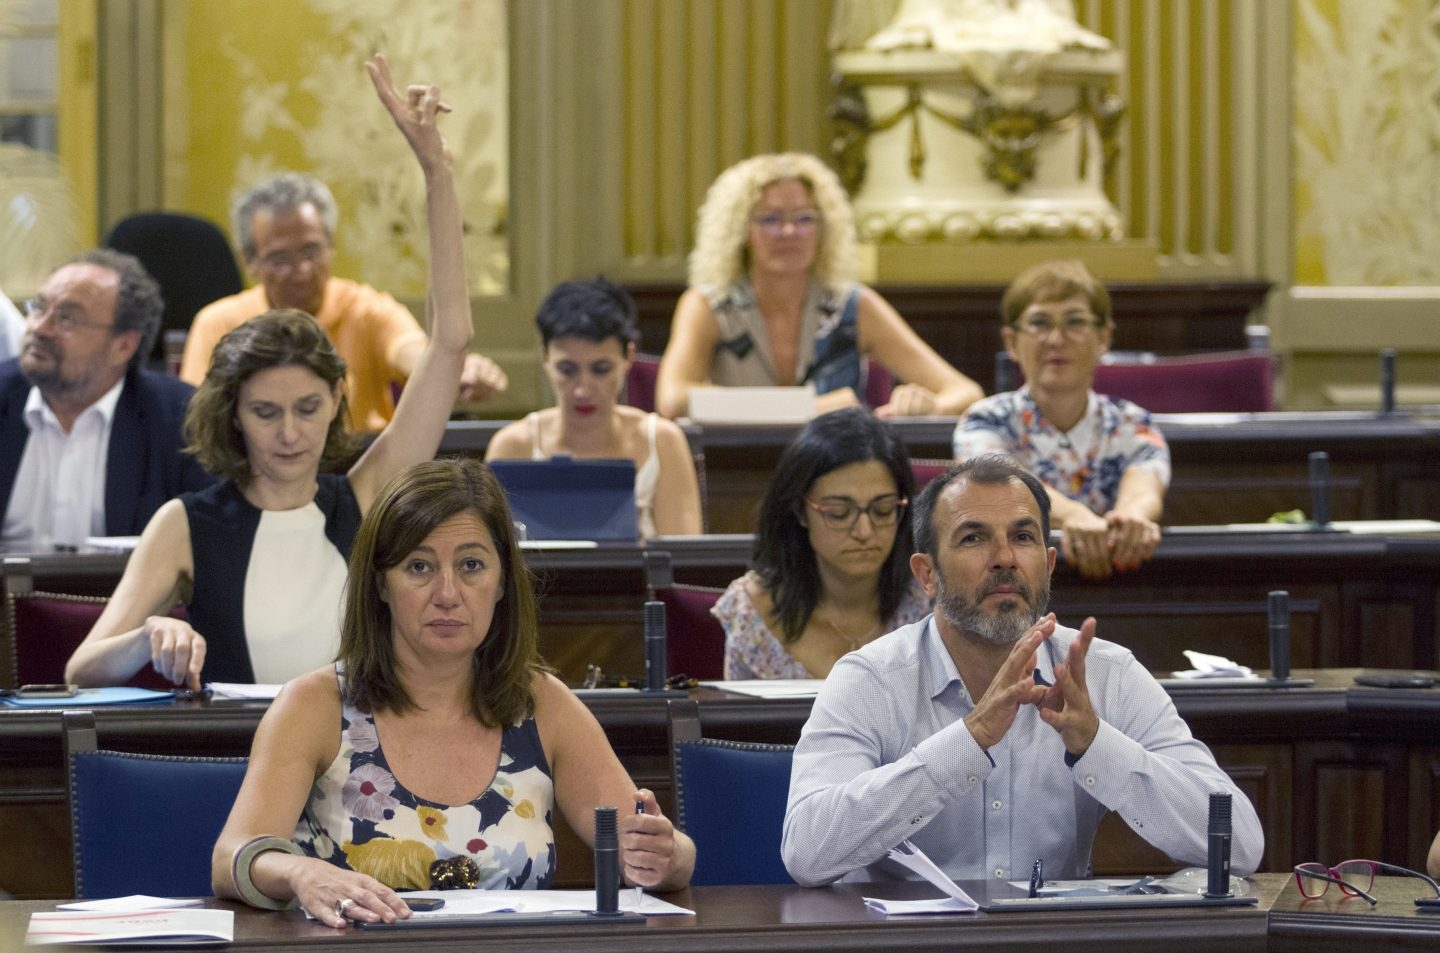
(1356, 600)
(1335, 771)
(1331, 922)
(962, 322)
(1231, 469)
(792, 919)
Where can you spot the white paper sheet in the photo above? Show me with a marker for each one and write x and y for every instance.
(469, 903)
(142, 929)
(262, 691)
(771, 687)
(129, 904)
(914, 859)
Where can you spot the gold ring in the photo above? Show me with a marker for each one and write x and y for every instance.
(341, 905)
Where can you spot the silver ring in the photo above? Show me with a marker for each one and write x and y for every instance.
(343, 904)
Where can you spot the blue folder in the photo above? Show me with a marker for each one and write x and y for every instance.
(565, 498)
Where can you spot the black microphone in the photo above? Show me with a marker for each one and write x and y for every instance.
(655, 646)
(607, 863)
(1387, 381)
(1279, 636)
(1219, 857)
(1320, 489)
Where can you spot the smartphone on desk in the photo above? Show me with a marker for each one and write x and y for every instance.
(424, 904)
(47, 691)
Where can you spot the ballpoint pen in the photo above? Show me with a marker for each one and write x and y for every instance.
(1037, 877)
(639, 890)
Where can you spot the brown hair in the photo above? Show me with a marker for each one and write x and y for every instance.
(1055, 281)
(275, 339)
(408, 510)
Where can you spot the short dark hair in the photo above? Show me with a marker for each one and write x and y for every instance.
(991, 469)
(408, 509)
(275, 339)
(784, 558)
(594, 310)
(1055, 281)
(139, 305)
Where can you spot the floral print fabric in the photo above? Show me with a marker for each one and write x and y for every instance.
(753, 651)
(359, 816)
(1086, 463)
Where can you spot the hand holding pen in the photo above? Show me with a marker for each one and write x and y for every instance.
(647, 843)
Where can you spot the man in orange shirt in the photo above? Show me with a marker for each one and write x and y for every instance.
(286, 227)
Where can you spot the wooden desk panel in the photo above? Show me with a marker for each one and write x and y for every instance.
(1238, 469)
(1334, 770)
(1356, 600)
(791, 919)
(962, 322)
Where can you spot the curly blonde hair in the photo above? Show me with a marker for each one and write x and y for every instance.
(721, 255)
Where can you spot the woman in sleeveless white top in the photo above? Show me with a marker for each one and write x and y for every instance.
(588, 333)
(269, 418)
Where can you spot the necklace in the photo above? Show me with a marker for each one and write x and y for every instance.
(853, 642)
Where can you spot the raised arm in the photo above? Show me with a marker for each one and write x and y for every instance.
(931, 386)
(134, 630)
(686, 362)
(419, 423)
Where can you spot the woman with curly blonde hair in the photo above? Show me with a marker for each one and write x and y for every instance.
(773, 300)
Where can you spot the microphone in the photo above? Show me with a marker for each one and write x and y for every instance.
(1387, 381)
(1219, 856)
(607, 863)
(655, 646)
(1320, 489)
(1279, 636)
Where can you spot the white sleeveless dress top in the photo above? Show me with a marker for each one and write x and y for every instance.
(292, 617)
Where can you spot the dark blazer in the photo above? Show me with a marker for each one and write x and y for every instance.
(145, 467)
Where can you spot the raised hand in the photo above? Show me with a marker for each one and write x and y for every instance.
(414, 113)
(1066, 704)
(1013, 686)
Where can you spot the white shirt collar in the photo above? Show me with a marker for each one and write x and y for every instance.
(38, 412)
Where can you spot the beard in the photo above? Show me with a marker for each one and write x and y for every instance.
(1007, 623)
(45, 372)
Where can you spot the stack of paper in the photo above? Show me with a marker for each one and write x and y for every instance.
(134, 921)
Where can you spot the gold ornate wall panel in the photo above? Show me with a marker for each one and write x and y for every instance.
(246, 99)
(1367, 142)
(706, 83)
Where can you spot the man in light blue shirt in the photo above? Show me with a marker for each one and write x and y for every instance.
(987, 734)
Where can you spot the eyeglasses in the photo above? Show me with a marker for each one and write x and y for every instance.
(842, 513)
(284, 262)
(773, 223)
(1075, 326)
(1353, 877)
(66, 319)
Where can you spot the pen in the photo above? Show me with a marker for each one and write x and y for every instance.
(639, 891)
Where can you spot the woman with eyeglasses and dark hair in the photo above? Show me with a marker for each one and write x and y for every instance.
(773, 300)
(832, 553)
(1103, 462)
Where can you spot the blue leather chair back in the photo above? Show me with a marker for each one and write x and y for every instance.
(146, 824)
(730, 798)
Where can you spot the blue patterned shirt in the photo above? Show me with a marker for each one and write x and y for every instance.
(1085, 463)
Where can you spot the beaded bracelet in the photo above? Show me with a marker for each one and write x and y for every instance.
(240, 865)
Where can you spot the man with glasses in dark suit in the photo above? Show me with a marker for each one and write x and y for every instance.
(90, 442)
